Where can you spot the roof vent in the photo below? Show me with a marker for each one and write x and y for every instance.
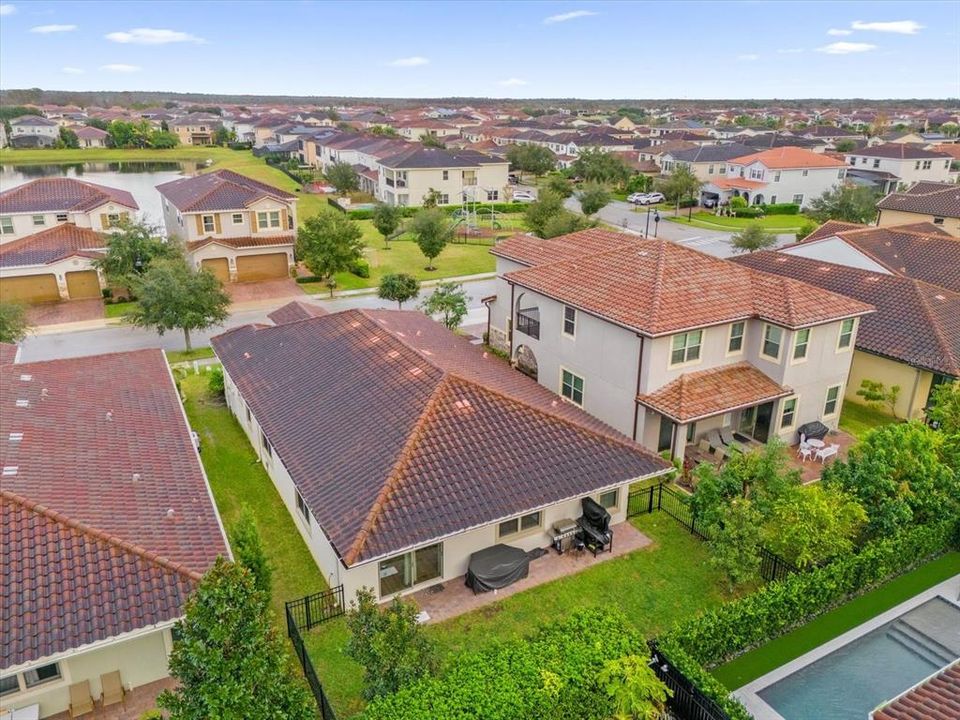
(246, 356)
(16, 437)
(137, 477)
(374, 338)
(355, 324)
(416, 370)
(393, 354)
(44, 393)
(23, 403)
(940, 297)
(873, 279)
(9, 470)
(26, 378)
(463, 404)
(109, 416)
(170, 513)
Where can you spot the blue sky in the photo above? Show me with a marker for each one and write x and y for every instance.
(490, 49)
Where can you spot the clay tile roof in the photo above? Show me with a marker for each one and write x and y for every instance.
(915, 322)
(8, 353)
(295, 312)
(241, 242)
(657, 287)
(91, 133)
(531, 250)
(218, 190)
(103, 457)
(927, 198)
(62, 195)
(789, 157)
(704, 393)
(937, 698)
(439, 436)
(898, 151)
(60, 241)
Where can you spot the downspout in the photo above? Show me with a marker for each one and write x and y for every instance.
(510, 321)
(673, 445)
(913, 395)
(636, 402)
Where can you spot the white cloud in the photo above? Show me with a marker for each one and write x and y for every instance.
(413, 61)
(72, 70)
(7, 9)
(790, 51)
(513, 82)
(152, 36)
(121, 68)
(47, 29)
(839, 32)
(563, 17)
(749, 57)
(901, 27)
(846, 48)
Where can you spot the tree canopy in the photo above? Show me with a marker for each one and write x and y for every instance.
(132, 248)
(449, 301)
(547, 217)
(535, 159)
(594, 165)
(14, 325)
(343, 177)
(329, 243)
(850, 204)
(752, 238)
(680, 184)
(248, 547)
(593, 197)
(386, 219)
(432, 230)
(398, 287)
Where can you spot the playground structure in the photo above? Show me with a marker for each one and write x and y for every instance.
(472, 213)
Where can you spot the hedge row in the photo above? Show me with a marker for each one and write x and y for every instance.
(484, 208)
(748, 212)
(781, 209)
(550, 675)
(778, 607)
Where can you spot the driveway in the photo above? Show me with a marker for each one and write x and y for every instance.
(65, 312)
(264, 290)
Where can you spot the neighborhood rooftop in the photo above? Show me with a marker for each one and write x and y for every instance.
(62, 195)
(218, 190)
(439, 436)
(931, 198)
(789, 157)
(47, 246)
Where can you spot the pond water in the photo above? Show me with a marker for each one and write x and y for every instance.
(138, 178)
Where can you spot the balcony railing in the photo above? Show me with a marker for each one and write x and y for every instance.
(396, 183)
(528, 322)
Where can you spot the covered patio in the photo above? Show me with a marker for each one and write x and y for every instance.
(135, 703)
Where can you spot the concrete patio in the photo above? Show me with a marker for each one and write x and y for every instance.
(137, 702)
(454, 598)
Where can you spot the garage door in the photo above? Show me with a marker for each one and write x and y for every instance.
(29, 289)
(219, 267)
(251, 268)
(83, 284)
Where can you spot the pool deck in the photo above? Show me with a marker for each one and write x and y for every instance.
(748, 694)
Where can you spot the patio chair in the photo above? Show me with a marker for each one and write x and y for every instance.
(804, 451)
(713, 437)
(703, 446)
(113, 692)
(726, 434)
(81, 701)
(826, 452)
(720, 454)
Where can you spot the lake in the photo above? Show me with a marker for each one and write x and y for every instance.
(140, 179)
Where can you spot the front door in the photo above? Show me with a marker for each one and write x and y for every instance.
(665, 438)
(761, 430)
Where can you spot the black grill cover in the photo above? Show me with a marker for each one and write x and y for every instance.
(496, 567)
(815, 429)
(595, 515)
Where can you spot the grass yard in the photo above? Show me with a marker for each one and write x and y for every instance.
(754, 664)
(200, 353)
(777, 223)
(118, 310)
(858, 419)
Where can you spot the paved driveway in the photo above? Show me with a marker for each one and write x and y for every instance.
(264, 290)
(65, 312)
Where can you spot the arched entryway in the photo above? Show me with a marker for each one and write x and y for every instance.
(758, 199)
(526, 361)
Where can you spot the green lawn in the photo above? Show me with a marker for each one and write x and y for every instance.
(756, 663)
(118, 310)
(858, 419)
(200, 353)
(778, 223)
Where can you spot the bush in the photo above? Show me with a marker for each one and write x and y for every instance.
(550, 674)
(215, 381)
(107, 293)
(151, 715)
(360, 268)
(781, 209)
(689, 202)
(737, 203)
(748, 212)
(309, 279)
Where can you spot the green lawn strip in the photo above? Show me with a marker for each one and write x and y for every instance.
(200, 353)
(756, 663)
(341, 676)
(858, 419)
(779, 223)
(118, 310)
(235, 478)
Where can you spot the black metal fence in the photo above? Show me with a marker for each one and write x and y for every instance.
(293, 632)
(687, 701)
(677, 506)
(312, 610)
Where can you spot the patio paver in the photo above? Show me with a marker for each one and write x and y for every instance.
(456, 598)
(66, 311)
(264, 290)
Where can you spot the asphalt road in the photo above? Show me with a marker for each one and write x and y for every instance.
(124, 338)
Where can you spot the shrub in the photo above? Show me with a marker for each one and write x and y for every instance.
(309, 279)
(360, 268)
(215, 381)
(107, 293)
(737, 202)
(748, 212)
(151, 715)
(689, 202)
(781, 209)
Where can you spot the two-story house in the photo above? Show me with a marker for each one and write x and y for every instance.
(240, 229)
(935, 203)
(893, 166)
(778, 175)
(706, 162)
(665, 343)
(196, 128)
(405, 178)
(33, 131)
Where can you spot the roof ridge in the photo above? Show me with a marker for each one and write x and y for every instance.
(101, 535)
(393, 477)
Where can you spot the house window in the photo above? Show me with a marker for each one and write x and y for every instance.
(876, 163)
(798, 199)
(801, 343)
(773, 199)
(444, 199)
(267, 447)
(302, 506)
(209, 224)
(840, 173)
(927, 164)
(571, 387)
(776, 176)
(938, 221)
(269, 219)
(41, 675)
(9, 685)
(6, 226)
(735, 343)
(806, 172)
(833, 400)
(113, 220)
(723, 169)
(237, 218)
(686, 347)
(569, 321)
(789, 414)
(846, 334)
(39, 220)
(610, 498)
(61, 217)
(772, 338)
(522, 524)
(756, 173)
(404, 571)
(493, 195)
(446, 174)
(710, 170)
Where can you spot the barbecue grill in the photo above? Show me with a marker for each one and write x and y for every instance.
(595, 527)
(564, 533)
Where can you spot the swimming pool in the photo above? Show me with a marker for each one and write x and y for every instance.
(854, 679)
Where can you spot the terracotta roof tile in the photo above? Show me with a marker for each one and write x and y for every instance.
(789, 157)
(242, 242)
(925, 198)
(438, 437)
(8, 353)
(62, 195)
(218, 190)
(898, 151)
(657, 287)
(935, 699)
(60, 241)
(704, 393)
(295, 312)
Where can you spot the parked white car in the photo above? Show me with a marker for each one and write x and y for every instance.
(650, 198)
(635, 198)
(523, 196)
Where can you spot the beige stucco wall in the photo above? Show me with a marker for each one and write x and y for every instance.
(141, 659)
(905, 169)
(184, 225)
(914, 383)
(889, 218)
(421, 181)
(23, 222)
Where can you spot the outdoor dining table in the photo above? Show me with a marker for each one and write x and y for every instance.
(814, 443)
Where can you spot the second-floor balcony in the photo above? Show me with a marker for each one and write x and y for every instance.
(528, 322)
(396, 183)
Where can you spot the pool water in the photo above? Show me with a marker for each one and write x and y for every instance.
(853, 680)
